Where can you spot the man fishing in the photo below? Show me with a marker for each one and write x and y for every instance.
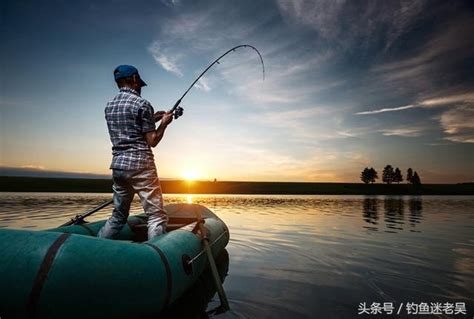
(131, 124)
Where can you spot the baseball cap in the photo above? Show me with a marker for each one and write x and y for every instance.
(125, 71)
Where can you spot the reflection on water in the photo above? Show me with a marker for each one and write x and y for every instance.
(370, 213)
(394, 213)
(393, 209)
(314, 256)
(416, 209)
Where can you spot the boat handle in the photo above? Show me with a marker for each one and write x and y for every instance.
(190, 261)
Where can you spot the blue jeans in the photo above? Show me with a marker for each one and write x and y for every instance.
(146, 184)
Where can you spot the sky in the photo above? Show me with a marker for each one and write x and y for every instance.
(349, 85)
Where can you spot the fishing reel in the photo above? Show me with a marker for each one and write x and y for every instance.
(178, 112)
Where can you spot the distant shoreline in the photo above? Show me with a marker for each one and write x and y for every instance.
(79, 185)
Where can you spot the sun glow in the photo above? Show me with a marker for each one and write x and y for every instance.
(190, 175)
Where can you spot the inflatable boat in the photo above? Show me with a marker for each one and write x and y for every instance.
(68, 272)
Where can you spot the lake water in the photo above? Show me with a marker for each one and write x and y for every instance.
(317, 256)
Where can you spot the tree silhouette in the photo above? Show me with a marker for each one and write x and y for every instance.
(409, 175)
(415, 180)
(388, 174)
(365, 175)
(368, 175)
(397, 176)
(373, 175)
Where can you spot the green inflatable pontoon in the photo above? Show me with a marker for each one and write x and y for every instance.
(68, 272)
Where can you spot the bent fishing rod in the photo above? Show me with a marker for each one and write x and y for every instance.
(177, 112)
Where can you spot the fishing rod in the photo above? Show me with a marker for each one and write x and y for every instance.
(177, 112)
(79, 219)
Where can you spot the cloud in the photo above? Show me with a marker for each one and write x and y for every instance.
(450, 99)
(322, 60)
(346, 134)
(368, 21)
(427, 103)
(306, 126)
(171, 3)
(168, 61)
(288, 118)
(203, 28)
(287, 62)
(357, 158)
(458, 123)
(393, 109)
(203, 84)
(33, 166)
(402, 19)
(319, 165)
(320, 15)
(286, 81)
(430, 64)
(406, 132)
(461, 138)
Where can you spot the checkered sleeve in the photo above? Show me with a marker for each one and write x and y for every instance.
(148, 121)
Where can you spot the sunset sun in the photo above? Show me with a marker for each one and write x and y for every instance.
(190, 174)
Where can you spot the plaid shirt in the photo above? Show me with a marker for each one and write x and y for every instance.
(129, 117)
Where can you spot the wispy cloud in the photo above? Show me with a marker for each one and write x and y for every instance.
(304, 78)
(403, 66)
(289, 118)
(458, 123)
(393, 109)
(406, 132)
(450, 99)
(306, 125)
(318, 165)
(287, 64)
(171, 3)
(428, 103)
(286, 81)
(327, 18)
(167, 60)
(33, 166)
(444, 51)
(203, 84)
(319, 15)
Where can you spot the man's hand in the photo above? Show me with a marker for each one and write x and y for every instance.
(167, 118)
(154, 137)
(158, 115)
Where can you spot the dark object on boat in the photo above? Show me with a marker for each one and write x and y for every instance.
(68, 272)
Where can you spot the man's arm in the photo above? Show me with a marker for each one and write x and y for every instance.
(154, 137)
(158, 115)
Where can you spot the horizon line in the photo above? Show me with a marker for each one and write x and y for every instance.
(35, 172)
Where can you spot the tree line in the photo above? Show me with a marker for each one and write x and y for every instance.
(389, 176)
